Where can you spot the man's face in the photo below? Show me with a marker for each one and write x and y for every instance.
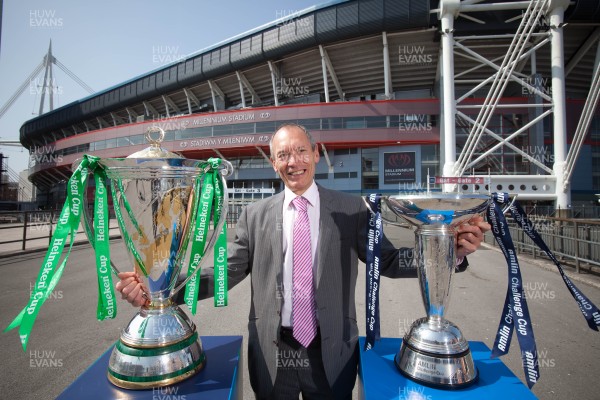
(294, 159)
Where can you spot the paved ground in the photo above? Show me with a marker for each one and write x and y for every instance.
(67, 337)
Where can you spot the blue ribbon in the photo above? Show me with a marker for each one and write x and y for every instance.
(588, 309)
(515, 305)
(374, 238)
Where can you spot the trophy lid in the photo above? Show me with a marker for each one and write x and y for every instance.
(153, 162)
(155, 150)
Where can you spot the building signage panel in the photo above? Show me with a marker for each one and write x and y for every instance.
(399, 167)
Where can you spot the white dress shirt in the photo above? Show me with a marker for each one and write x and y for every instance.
(289, 215)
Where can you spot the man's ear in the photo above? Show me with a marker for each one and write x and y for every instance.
(273, 164)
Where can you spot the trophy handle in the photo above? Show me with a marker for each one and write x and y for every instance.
(507, 208)
(226, 170)
(386, 220)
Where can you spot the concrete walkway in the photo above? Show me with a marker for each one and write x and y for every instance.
(69, 338)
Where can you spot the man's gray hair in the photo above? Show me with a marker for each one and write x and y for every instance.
(313, 144)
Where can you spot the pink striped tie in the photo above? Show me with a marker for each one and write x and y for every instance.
(303, 300)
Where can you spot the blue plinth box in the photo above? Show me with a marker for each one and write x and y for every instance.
(380, 379)
(221, 377)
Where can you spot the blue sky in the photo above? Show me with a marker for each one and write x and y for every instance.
(107, 42)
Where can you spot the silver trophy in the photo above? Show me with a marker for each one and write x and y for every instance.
(154, 193)
(434, 351)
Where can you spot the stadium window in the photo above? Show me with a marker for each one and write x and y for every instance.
(376, 122)
(111, 143)
(354, 123)
(122, 141)
(69, 150)
(137, 139)
(100, 145)
(221, 130)
(344, 175)
(184, 134)
(321, 176)
(169, 136)
(204, 131)
(311, 124)
(240, 129)
(332, 123)
(265, 127)
(344, 152)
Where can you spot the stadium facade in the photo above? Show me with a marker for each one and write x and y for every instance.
(366, 77)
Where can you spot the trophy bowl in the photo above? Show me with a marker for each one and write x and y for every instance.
(434, 351)
(155, 199)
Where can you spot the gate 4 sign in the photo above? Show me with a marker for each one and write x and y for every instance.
(399, 167)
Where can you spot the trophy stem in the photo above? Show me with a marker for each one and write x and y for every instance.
(434, 351)
(435, 262)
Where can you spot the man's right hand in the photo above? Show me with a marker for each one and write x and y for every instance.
(132, 289)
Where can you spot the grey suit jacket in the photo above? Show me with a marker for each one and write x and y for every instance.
(257, 250)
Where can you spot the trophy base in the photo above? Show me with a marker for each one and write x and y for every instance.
(454, 371)
(159, 347)
(434, 352)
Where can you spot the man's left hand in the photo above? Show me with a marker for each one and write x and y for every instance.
(470, 236)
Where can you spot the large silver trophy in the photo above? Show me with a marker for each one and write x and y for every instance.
(154, 196)
(434, 351)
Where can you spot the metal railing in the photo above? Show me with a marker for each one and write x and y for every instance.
(573, 241)
(18, 229)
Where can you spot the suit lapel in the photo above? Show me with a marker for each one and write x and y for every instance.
(325, 229)
(274, 216)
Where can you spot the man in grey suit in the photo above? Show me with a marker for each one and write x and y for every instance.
(325, 366)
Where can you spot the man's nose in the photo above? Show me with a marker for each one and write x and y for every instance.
(294, 157)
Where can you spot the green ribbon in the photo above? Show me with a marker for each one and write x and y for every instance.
(51, 270)
(106, 308)
(220, 253)
(210, 196)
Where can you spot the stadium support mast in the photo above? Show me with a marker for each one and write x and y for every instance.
(556, 12)
(448, 11)
(548, 183)
(47, 87)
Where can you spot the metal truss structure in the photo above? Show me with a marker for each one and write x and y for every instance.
(550, 170)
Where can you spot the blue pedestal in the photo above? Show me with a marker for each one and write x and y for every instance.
(219, 379)
(380, 379)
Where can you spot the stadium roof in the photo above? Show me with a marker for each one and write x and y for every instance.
(350, 33)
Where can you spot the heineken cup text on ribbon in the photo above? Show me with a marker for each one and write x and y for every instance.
(161, 202)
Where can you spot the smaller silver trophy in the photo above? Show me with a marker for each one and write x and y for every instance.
(434, 351)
